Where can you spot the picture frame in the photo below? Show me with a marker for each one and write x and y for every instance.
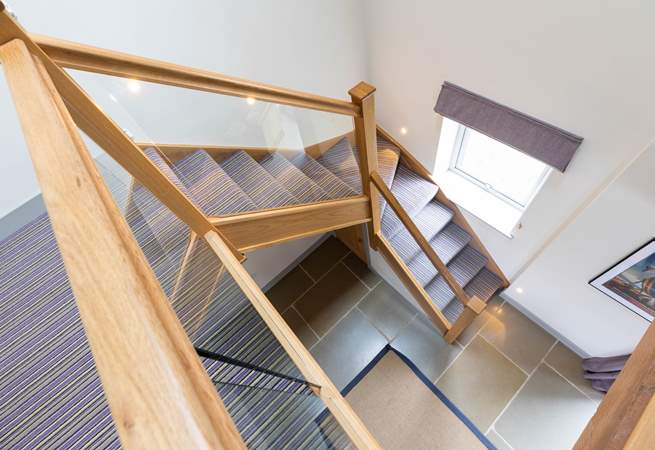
(631, 281)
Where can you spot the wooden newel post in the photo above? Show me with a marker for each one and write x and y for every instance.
(365, 133)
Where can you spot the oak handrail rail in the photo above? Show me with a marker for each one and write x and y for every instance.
(412, 284)
(108, 62)
(419, 238)
(168, 400)
(310, 369)
(257, 229)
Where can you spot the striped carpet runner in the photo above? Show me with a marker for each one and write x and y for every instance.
(450, 241)
(50, 394)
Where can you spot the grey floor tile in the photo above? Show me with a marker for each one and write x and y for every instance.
(361, 270)
(522, 340)
(498, 442)
(330, 299)
(289, 288)
(300, 327)
(425, 347)
(387, 310)
(348, 348)
(324, 257)
(481, 382)
(472, 330)
(569, 365)
(548, 413)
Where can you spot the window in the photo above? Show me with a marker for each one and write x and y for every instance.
(486, 177)
(507, 173)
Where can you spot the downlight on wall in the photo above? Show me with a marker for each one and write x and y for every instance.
(134, 86)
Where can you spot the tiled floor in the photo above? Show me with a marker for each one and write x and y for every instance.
(515, 381)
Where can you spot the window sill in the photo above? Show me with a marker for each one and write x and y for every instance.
(496, 213)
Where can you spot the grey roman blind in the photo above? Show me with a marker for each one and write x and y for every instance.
(538, 139)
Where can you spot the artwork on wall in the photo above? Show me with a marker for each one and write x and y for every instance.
(631, 281)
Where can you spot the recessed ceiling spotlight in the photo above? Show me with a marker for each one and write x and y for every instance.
(250, 100)
(519, 290)
(403, 130)
(134, 86)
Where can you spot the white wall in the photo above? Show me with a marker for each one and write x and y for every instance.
(583, 66)
(312, 46)
(620, 220)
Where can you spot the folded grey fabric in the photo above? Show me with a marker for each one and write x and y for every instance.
(601, 375)
(608, 364)
(602, 385)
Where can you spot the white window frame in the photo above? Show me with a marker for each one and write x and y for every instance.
(461, 140)
(473, 195)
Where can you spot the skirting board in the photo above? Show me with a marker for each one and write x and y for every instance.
(557, 335)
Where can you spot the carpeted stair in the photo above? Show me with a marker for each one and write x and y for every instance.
(449, 241)
(49, 390)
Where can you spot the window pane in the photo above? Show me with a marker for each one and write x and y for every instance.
(507, 171)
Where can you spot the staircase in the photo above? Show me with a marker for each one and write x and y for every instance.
(122, 290)
(240, 183)
(33, 280)
(449, 241)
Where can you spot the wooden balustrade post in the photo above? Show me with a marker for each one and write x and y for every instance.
(472, 309)
(365, 134)
(158, 392)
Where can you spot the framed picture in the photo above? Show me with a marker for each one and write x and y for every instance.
(631, 281)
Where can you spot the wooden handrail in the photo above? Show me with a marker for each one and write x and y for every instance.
(311, 370)
(643, 435)
(252, 230)
(419, 238)
(109, 136)
(93, 59)
(413, 286)
(165, 399)
(363, 95)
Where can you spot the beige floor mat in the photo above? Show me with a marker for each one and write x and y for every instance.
(403, 413)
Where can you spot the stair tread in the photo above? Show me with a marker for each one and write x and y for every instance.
(326, 180)
(154, 156)
(413, 193)
(484, 285)
(388, 159)
(463, 268)
(341, 161)
(430, 221)
(293, 179)
(262, 188)
(447, 244)
(213, 189)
